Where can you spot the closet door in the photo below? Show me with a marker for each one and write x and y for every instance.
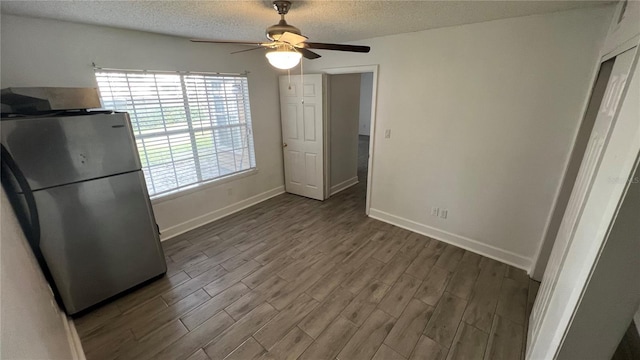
(574, 214)
(301, 107)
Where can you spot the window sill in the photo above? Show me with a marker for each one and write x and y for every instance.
(202, 186)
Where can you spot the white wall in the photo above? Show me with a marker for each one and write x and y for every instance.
(366, 89)
(482, 117)
(32, 325)
(343, 130)
(38, 52)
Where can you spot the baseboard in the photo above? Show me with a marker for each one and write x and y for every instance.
(475, 246)
(75, 344)
(168, 233)
(343, 186)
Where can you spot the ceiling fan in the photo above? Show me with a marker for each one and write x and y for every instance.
(287, 45)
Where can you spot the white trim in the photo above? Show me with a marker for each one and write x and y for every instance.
(343, 185)
(168, 233)
(326, 134)
(627, 45)
(374, 101)
(475, 246)
(75, 344)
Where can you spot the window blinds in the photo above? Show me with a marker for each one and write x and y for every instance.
(189, 128)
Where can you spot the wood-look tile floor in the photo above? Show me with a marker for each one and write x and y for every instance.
(294, 278)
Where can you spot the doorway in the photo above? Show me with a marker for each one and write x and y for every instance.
(364, 125)
(350, 127)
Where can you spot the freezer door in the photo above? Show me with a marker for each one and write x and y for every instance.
(99, 238)
(53, 151)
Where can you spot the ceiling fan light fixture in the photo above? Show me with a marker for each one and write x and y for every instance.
(283, 59)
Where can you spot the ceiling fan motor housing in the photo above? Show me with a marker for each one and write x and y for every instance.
(274, 31)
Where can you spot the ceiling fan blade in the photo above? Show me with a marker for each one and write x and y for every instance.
(227, 42)
(245, 50)
(291, 38)
(339, 47)
(308, 54)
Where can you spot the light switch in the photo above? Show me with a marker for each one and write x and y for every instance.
(387, 134)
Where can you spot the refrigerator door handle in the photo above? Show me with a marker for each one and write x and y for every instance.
(34, 229)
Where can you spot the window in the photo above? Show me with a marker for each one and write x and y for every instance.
(189, 128)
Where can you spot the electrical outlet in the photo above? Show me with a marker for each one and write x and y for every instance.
(230, 192)
(435, 211)
(444, 213)
(387, 134)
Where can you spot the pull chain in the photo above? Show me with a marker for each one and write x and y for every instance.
(289, 73)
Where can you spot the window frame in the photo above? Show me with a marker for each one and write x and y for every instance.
(193, 129)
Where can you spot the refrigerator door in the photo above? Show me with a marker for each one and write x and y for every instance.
(52, 151)
(99, 238)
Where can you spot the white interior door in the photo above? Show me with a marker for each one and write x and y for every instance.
(301, 107)
(544, 317)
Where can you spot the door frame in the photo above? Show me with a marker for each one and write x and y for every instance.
(372, 126)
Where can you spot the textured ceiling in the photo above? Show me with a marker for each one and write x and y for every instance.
(319, 20)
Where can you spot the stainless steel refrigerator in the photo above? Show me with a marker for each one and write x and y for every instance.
(77, 183)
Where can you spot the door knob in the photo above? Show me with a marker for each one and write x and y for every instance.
(284, 145)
